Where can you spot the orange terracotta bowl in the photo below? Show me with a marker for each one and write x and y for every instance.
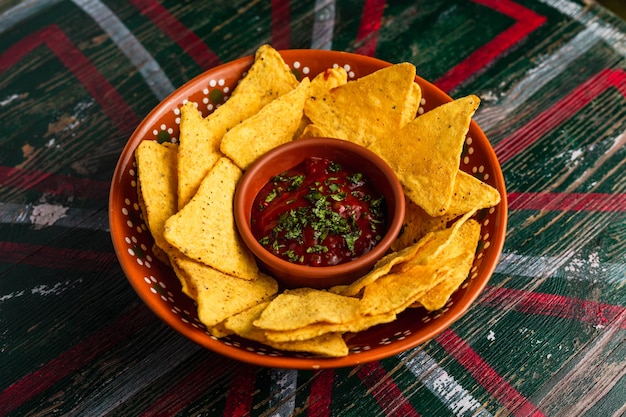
(159, 288)
(350, 156)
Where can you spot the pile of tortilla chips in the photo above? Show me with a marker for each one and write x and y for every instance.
(186, 193)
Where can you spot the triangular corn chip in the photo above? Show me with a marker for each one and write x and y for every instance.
(199, 150)
(205, 230)
(220, 295)
(329, 344)
(156, 179)
(425, 153)
(467, 239)
(296, 308)
(267, 79)
(388, 98)
(275, 124)
(471, 193)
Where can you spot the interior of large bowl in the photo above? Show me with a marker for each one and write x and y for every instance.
(160, 289)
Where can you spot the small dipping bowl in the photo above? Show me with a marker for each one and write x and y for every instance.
(352, 157)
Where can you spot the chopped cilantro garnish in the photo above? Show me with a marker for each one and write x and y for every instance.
(334, 167)
(317, 249)
(339, 196)
(356, 178)
(272, 195)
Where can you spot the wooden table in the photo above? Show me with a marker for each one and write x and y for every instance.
(546, 338)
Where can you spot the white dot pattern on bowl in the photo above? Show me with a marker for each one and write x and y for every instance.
(213, 95)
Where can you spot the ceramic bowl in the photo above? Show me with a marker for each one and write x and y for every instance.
(159, 288)
(350, 156)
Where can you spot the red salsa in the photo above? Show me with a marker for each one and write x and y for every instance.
(319, 214)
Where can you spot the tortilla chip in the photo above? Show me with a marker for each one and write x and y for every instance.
(188, 285)
(313, 131)
(395, 291)
(273, 125)
(300, 307)
(267, 79)
(325, 81)
(387, 98)
(205, 230)
(471, 193)
(329, 345)
(381, 268)
(220, 295)
(317, 329)
(466, 242)
(425, 153)
(439, 245)
(156, 179)
(417, 224)
(199, 151)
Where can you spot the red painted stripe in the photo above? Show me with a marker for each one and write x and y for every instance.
(385, 391)
(562, 111)
(321, 394)
(281, 24)
(595, 202)
(371, 19)
(55, 258)
(53, 184)
(103, 92)
(75, 358)
(527, 22)
(190, 43)
(497, 386)
(240, 393)
(592, 312)
(206, 374)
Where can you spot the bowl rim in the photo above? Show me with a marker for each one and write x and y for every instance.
(313, 273)
(295, 362)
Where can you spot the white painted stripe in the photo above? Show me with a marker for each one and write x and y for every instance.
(283, 392)
(613, 37)
(442, 384)
(147, 66)
(119, 389)
(573, 267)
(535, 79)
(59, 215)
(324, 24)
(596, 30)
(22, 11)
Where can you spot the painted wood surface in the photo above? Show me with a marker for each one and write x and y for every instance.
(547, 336)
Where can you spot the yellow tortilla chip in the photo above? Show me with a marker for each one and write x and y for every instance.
(396, 290)
(465, 242)
(471, 193)
(188, 285)
(387, 98)
(300, 307)
(425, 153)
(417, 224)
(439, 245)
(267, 79)
(329, 345)
(199, 151)
(325, 81)
(156, 179)
(381, 268)
(275, 124)
(220, 295)
(318, 329)
(205, 230)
